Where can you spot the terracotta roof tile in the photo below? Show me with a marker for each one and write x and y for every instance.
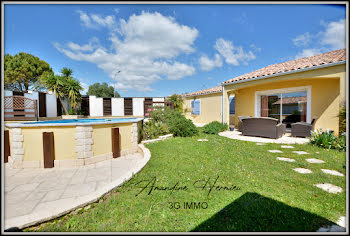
(294, 65)
(216, 89)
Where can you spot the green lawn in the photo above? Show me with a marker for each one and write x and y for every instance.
(269, 195)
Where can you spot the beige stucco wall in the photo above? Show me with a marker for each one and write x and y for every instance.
(327, 93)
(64, 139)
(65, 142)
(210, 108)
(102, 137)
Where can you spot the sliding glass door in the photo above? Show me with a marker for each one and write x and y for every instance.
(288, 108)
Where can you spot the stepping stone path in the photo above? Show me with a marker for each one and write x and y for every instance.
(314, 160)
(286, 146)
(285, 159)
(275, 151)
(300, 152)
(317, 152)
(329, 188)
(260, 143)
(332, 172)
(302, 170)
(202, 140)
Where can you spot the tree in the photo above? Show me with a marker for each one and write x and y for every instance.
(23, 71)
(102, 90)
(64, 86)
(178, 102)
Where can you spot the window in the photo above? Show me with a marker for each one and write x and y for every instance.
(232, 105)
(288, 105)
(196, 107)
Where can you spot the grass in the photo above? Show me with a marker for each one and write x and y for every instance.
(271, 196)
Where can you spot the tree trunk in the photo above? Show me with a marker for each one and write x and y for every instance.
(64, 107)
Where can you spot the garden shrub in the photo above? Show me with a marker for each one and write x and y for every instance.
(328, 140)
(342, 119)
(180, 126)
(168, 121)
(214, 127)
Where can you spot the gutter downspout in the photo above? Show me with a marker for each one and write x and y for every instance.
(223, 104)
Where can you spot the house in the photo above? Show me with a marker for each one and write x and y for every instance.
(204, 106)
(292, 91)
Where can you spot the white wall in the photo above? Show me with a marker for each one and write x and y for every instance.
(138, 106)
(51, 105)
(95, 106)
(117, 106)
(158, 100)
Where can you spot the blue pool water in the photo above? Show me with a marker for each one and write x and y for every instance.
(68, 121)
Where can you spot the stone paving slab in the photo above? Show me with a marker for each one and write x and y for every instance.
(303, 170)
(285, 139)
(37, 195)
(301, 152)
(329, 188)
(314, 160)
(285, 159)
(332, 172)
(286, 146)
(275, 151)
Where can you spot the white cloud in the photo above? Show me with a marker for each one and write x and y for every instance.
(95, 21)
(309, 52)
(116, 10)
(334, 35)
(233, 55)
(332, 38)
(207, 64)
(84, 85)
(144, 51)
(302, 40)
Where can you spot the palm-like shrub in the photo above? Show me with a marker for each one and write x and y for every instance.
(64, 86)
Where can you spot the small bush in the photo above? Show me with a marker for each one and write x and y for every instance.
(180, 126)
(214, 127)
(328, 140)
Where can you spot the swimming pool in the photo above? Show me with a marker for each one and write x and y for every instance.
(72, 142)
(74, 122)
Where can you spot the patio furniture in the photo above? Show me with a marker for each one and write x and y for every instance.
(239, 128)
(263, 127)
(303, 129)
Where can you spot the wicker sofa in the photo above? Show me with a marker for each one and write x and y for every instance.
(262, 127)
(303, 129)
(240, 118)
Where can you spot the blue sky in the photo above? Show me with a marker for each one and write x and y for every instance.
(158, 50)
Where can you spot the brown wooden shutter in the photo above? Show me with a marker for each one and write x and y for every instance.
(49, 149)
(115, 142)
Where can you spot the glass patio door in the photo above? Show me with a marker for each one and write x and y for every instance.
(288, 108)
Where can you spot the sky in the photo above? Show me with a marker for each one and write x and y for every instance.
(162, 49)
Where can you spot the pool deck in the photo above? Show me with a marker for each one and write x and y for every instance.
(36, 195)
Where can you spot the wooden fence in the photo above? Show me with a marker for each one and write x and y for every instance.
(18, 107)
